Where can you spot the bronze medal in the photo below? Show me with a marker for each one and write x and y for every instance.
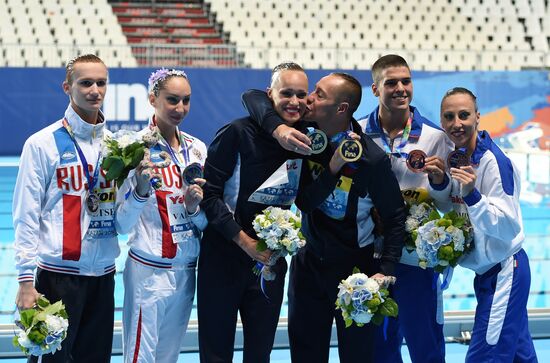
(191, 172)
(457, 158)
(416, 160)
(350, 150)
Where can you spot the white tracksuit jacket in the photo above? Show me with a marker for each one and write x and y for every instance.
(52, 228)
(161, 234)
(493, 207)
(415, 187)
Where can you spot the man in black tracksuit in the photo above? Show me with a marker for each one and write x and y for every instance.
(240, 159)
(337, 224)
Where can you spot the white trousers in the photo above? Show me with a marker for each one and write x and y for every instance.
(157, 306)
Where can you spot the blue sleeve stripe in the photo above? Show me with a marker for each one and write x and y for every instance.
(505, 168)
(472, 198)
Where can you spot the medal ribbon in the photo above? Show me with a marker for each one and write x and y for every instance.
(92, 180)
(404, 140)
(183, 145)
(341, 135)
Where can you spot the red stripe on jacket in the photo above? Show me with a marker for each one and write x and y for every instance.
(72, 241)
(169, 248)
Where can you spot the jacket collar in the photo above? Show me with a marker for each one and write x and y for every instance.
(418, 120)
(83, 129)
(483, 144)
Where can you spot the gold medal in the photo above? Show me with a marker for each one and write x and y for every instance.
(318, 139)
(350, 150)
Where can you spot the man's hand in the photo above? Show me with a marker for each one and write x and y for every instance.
(435, 168)
(383, 280)
(336, 162)
(293, 140)
(26, 295)
(249, 246)
(194, 195)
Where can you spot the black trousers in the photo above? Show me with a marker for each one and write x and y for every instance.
(312, 292)
(90, 304)
(226, 286)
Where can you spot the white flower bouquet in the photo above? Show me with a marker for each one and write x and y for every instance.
(279, 231)
(126, 149)
(43, 328)
(441, 241)
(365, 300)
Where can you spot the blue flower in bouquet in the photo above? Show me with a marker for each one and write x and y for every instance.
(279, 231)
(43, 328)
(364, 300)
(418, 215)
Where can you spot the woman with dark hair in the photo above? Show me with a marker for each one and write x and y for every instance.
(485, 189)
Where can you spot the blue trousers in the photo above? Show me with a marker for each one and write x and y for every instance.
(417, 296)
(500, 331)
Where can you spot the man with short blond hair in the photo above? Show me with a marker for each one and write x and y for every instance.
(63, 208)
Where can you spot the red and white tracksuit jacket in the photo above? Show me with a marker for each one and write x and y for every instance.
(52, 228)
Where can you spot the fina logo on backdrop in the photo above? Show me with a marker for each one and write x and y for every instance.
(127, 106)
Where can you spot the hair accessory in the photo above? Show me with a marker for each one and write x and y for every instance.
(160, 75)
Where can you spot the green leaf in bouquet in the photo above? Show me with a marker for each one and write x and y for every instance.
(434, 214)
(445, 252)
(36, 336)
(410, 244)
(40, 316)
(43, 328)
(127, 159)
(15, 342)
(261, 246)
(373, 303)
(348, 322)
(26, 317)
(389, 308)
(137, 157)
(356, 270)
(443, 222)
(116, 166)
(54, 309)
(120, 180)
(377, 319)
(42, 301)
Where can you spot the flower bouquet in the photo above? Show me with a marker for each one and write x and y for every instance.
(126, 149)
(279, 231)
(43, 328)
(441, 241)
(364, 300)
(418, 214)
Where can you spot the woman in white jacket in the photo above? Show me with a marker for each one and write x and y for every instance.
(485, 189)
(164, 227)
